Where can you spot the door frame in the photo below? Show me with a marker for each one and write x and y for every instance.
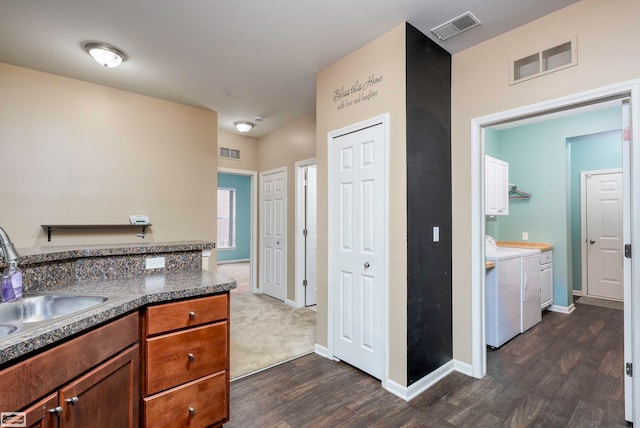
(583, 221)
(286, 230)
(253, 251)
(299, 243)
(382, 119)
(631, 178)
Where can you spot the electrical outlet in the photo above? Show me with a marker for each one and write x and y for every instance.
(525, 236)
(154, 263)
(436, 234)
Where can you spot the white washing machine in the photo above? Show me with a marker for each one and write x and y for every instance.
(530, 283)
(503, 308)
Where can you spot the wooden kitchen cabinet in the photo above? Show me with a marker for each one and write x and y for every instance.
(39, 416)
(100, 367)
(106, 397)
(185, 376)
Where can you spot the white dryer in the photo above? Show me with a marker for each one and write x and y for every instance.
(530, 282)
(503, 308)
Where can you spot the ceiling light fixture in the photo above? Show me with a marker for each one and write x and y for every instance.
(243, 126)
(105, 54)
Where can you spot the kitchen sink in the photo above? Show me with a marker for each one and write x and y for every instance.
(7, 329)
(34, 309)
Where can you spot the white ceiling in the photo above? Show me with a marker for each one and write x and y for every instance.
(265, 54)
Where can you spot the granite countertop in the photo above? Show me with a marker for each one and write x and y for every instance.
(36, 255)
(542, 246)
(125, 295)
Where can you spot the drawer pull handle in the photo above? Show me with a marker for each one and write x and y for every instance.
(192, 315)
(191, 356)
(192, 411)
(73, 400)
(55, 411)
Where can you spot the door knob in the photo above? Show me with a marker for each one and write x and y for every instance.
(73, 400)
(366, 265)
(592, 241)
(55, 411)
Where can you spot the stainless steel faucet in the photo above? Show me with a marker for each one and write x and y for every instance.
(7, 250)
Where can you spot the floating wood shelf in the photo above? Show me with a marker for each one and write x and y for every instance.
(50, 227)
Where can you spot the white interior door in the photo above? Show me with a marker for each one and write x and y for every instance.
(311, 237)
(604, 235)
(273, 233)
(357, 246)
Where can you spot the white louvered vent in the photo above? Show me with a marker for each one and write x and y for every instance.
(228, 153)
(457, 25)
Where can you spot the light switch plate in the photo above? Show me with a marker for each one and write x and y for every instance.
(154, 263)
(436, 234)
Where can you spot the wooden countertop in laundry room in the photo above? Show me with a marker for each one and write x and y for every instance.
(542, 246)
(489, 265)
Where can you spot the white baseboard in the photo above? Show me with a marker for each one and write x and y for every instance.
(562, 309)
(291, 303)
(417, 388)
(577, 292)
(321, 350)
(225, 262)
(464, 368)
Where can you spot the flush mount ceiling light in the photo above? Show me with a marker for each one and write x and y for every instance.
(105, 54)
(243, 126)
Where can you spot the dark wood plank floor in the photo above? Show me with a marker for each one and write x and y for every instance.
(565, 372)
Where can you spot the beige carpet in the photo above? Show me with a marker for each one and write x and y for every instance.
(265, 331)
(614, 304)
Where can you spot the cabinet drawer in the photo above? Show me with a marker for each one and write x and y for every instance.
(189, 313)
(200, 403)
(179, 357)
(546, 257)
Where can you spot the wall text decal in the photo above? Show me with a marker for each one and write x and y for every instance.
(358, 92)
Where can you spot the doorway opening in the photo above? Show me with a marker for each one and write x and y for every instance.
(306, 233)
(237, 225)
(631, 209)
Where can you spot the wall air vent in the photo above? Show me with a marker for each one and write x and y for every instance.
(457, 25)
(228, 153)
(544, 62)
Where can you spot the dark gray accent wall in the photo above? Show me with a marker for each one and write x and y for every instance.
(429, 313)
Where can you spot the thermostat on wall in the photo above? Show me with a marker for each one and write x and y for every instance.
(139, 219)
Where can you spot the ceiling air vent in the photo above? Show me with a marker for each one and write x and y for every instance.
(457, 25)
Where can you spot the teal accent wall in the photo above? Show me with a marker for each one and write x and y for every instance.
(539, 159)
(242, 184)
(588, 153)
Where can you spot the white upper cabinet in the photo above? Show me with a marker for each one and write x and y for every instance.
(496, 190)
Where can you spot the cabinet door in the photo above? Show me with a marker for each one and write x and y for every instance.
(502, 187)
(38, 415)
(496, 186)
(546, 286)
(490, 179)
(105, 397)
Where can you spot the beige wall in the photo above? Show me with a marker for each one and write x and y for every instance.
(385, 57)
(77, 152)
(607, 34)
(285, 147)
(248, 147)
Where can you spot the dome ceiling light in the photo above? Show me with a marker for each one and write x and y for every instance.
(105, 54)
(243, 126)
